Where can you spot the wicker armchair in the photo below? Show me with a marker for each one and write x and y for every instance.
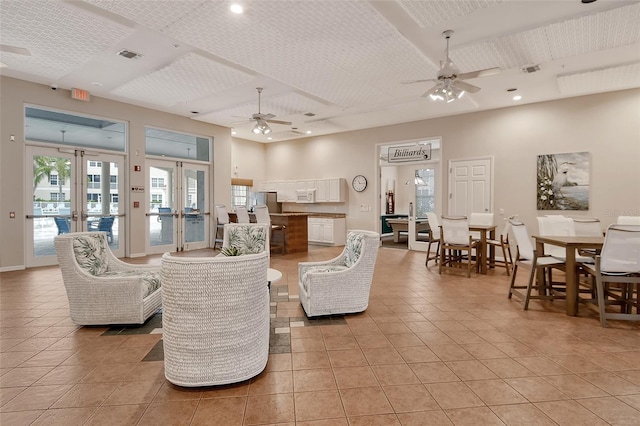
(101, 289)
(246, 238)
(340, 285)
(215, 318)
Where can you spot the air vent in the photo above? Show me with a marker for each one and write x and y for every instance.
(129, 54)
(310, 114)
(530, 69)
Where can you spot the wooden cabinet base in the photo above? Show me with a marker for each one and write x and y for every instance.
(295, 233)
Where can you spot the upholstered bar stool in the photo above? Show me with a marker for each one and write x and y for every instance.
(222, 218)
(263, 216)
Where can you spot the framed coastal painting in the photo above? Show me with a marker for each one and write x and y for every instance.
(563, 181)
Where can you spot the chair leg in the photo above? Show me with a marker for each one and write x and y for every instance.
(506, 261)
(513, 280)
(528, 296)
(601, 299)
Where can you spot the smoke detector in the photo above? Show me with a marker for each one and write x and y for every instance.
(530, 69)
(129, 54)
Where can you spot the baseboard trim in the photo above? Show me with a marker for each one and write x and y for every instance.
(13, 268)
(137, 255)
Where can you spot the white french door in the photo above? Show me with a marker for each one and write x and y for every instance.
(177, 206)
(424, 196)
(470, 186)
(72, 190)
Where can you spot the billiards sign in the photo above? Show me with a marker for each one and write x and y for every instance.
(399, 154)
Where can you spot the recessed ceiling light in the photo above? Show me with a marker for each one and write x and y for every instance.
(308, 132)
(233, 131)
(236, 8)
(513, 89)
(269, 138)
(517, 97)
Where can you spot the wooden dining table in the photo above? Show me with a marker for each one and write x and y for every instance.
(487, 257)
(571, 244)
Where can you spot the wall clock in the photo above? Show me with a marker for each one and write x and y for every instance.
(359, 183)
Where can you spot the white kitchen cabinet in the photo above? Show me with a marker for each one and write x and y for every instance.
(329, 231)
(330, 190)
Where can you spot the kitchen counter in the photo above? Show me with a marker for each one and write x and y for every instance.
(328, 215)
(296, 234)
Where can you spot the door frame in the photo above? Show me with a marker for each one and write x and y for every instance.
(77, 195)
(451, 187)
(433, 163)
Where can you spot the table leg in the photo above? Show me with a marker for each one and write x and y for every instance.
(396, 235)
(482, 252)
(540, 277)
(572, 282)
(492, 249)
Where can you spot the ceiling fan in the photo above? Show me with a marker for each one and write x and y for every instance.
(449, 85)
(262, 119)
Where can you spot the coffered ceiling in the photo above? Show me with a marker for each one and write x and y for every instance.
(325, 65)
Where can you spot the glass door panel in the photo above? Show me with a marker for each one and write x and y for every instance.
(194, 200)
(424, 190)
(101, 197)
(49, 212)
(161, 209)
(59, 196)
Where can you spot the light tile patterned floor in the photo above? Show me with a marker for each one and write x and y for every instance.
(430, 349)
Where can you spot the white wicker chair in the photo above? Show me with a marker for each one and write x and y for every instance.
(247, 238)
(215, 318)
(101, 289)
(340, 285)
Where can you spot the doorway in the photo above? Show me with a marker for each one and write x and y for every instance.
(73, 190)
(409, 189)
(177, 213)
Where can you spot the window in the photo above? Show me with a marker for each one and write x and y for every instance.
(56, 196)
(93, 197)
(94, 181)
(240, 195)
(156, 198)
(157, 182)
(177, 145)
(114, 182)
(95, 163)
(425, 193)
(53, 180)
(114, 198)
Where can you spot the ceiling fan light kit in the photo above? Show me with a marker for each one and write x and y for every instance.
(449, 85)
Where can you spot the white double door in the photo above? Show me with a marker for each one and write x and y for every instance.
(72, 190)
(177, 206)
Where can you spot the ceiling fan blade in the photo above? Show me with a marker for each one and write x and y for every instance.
(466, 86)
(416, 81)
(14, 49)
(245, 121)
(267, 116)
(480, 73)
(286, 123)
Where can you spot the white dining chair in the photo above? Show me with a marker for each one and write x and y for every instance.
(456, 239)
(526, 256)
(222, 218)
(628, 220)
(617, 274)
(434, 237)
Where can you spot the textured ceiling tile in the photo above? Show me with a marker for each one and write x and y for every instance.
(49, 30)
(593, 33)
(608, 79)
(429, 13)
(155, 14)
(190, 77)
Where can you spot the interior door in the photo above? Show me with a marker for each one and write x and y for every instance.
(72, 190)
(470, 186)
(424, 196)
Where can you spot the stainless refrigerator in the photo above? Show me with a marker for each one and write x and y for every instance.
(270, 199)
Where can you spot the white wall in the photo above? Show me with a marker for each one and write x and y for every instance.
(248, 157)
(17, 93)
(606, 125)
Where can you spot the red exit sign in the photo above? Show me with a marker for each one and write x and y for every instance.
(79, 94)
